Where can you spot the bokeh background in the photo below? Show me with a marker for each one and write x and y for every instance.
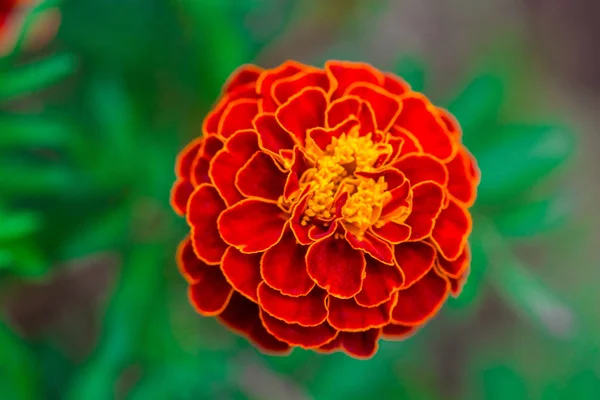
(98, 96)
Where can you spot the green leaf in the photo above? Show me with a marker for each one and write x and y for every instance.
(19, 375)
(17, 225)
(502, 383)
(33, 131)
(522, 157)
(25, 259)
(21, 179)
(413, 71)
(35, 77)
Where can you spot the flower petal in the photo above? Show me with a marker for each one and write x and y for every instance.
(303, 111)
(309, 310)
(379, 284)
(451, 230)
(451, 123)
(201, 164)
(189, 265)
(272, 136)
(372, 245)
(180, 195)
(397, 332)
(410, 145)
(420, 118)
(399, 203)
(238, 116)
(457, 284)
(422, 167)
(297, 335)
(415, 259)
(211, 293)
(428, 198)
(204, 208)
(283, 267)
(252, 225)
(346, 315)
(242, 316)
(183, 165)
(344, 73)
(243, 75)
(324, 136)
(284, 89)
(210, 125)
(395, 85)
(268, 78)
(455, 269)
(421, 301)
(361, 345)
(300, 231)
(336, 267)
(297, 169)
(385, 106)
(462, 184)
(261, 177)
(339, 110)
(228, 161)
(393, 233)
(242, 271)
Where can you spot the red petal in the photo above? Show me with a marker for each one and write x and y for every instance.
(268, 78)
(283, 267)
(299, 166)
(204, 208)
(393, 233)
(183, 165)
(451, 123)
(300, 231)
(457, 284)
(303, 111)
(421, 301)
(428, 198)
(180, 195)
(410, 145)
(324, 136)
(372, 245)
(261, 177)
(190, 266)
(241, 316)
(462, 184)
(415, 260)
(238, 116)
(252, 225)
(385, 106)
(201, 164)
(341, 109)
(346, 315)
(228, 161)
(211, 293)
(318, 232)
(422, 167)
(393, 177)
(420, 118)
(398, 204)
(272, 136)
(309, 310)
(331, 347)
(398, 332)
(242, 271)
(344, 73)
(335, 266)
(360, 344)
(452, 228)
(210, 125)
(242, 76)
(455, 269)
(297, 335)
(284, 89)
(379, 284)
(395, 85)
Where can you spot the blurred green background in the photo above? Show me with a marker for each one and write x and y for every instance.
(92, 306)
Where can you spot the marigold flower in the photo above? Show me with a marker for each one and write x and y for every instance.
(328, 208)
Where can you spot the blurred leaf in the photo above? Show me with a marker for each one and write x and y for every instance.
(522, 157)
(502, 383)
(19, 375)
(413, 71)
(25, 259)
(33, 131)
(17, 225)
(37, 76)
(26, 179)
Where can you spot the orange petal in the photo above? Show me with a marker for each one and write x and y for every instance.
(397, 332)
(428, 198)
(336, 267)
(422, 167)
(308, 310)
(361, 345)
(348, 316)
(344, 73)
(380, 283)
(371, 244)
(283, 267)
(451, 123)
(410, 145)
(242, 316)
(462, 183)
(238, 116)
(228, 161)
(272, 136)
(393, 233)
(284, 89)
(324, 136)
(399, 201)
(451, 230)
(261, 177)
(395, 85)
(297, 335)
(415, 259)
(348, 106)
(268, 78)
(421, 301)
(420, 118)
(242, 271)
(210, 125)
(303, 111)
(252, 225)
(204, 207)
(386, 107)
(454, 269)
(243, 75)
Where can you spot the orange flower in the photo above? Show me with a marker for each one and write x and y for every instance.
(327, 208)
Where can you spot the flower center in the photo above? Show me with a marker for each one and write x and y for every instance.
(335, 172)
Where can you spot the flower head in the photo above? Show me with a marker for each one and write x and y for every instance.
(327, 208)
